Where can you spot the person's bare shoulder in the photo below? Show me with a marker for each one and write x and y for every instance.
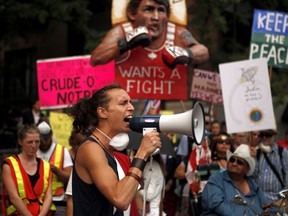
(183, 37)
(88, 152)
(115, 33)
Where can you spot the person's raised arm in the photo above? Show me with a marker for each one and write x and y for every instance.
(186, 50)
(117, 42)
(12, 192)
(119, 193)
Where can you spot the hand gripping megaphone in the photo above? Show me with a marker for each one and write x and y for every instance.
(190, 123)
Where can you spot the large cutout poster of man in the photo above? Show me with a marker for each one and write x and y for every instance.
(150, 51)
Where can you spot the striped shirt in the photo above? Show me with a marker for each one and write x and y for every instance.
(266, 178)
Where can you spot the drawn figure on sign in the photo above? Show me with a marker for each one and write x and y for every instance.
(248, 74)
(250, 92)
(148, 50)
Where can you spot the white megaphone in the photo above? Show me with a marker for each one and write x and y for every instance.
(190, 123)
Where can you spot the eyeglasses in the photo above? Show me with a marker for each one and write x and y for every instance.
(239, 161)
(207, 123)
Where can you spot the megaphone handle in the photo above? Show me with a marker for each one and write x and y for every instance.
(155, 152)
(146, 130)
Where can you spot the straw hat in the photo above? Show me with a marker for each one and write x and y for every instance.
(243, 152)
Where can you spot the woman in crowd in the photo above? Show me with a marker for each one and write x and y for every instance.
(26, 178)
(222, 143)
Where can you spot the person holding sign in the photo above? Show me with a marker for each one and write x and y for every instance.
(96, 185)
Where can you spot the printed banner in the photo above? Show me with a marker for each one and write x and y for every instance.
(153, 82)
(270, 37)
(247, 96)
(63, 81)
(206, 86)
(61, 125)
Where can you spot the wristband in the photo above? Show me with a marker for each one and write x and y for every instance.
(138, 163)
(137, 178)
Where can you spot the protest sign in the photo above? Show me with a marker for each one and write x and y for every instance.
(61, 125)
(206, 86)
(270, 37)
(247, 96)
(62, 81)
(149, 81)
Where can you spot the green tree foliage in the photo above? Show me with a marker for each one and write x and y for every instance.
(22, 17)
(225, 27)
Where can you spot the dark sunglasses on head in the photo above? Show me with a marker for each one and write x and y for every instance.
(227, 142)
(239, 161)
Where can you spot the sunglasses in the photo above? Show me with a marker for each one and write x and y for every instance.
(267, 135)
(239, 161)
(227, 142)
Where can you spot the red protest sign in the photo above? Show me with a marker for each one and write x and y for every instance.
(62, 81)
(153, 81)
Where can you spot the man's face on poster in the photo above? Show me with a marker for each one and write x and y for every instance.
(152, 15)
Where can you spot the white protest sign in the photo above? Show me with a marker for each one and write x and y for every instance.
(206, 86)
(247, 96)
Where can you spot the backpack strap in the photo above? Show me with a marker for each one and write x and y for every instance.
(280, 150)
(274, 169)
(258, 154)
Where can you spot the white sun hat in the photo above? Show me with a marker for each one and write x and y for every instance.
(243, 151)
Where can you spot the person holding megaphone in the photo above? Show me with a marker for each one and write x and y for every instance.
(96, 187)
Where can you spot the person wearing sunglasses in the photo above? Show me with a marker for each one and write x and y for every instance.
(222, 143)
(224, 189)
(271, 171)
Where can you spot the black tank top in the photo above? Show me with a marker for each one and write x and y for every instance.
(87, 199)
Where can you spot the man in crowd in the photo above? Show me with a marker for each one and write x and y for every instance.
(271, 165)
(233, 191)
(61, 165)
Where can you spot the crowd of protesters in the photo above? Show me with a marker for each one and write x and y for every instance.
(185, 175)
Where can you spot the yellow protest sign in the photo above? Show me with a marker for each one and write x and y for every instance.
(61, 125)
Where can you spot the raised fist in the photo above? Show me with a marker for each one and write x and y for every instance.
(174, 55)
(136, 37)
